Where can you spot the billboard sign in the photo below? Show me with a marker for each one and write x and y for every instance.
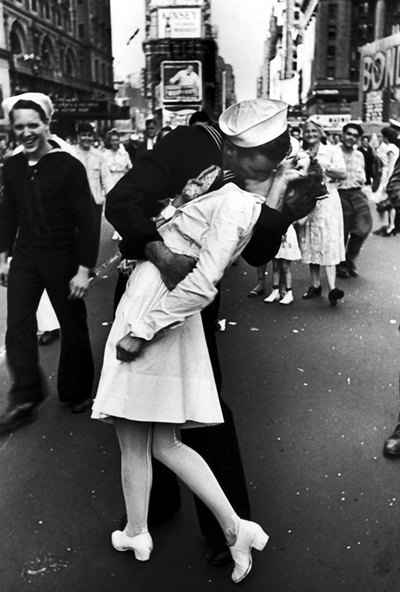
(82, 109)
(333, 121)
(380, 77)
(181, 81)
(179, 22)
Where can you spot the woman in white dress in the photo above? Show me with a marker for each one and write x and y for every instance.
(321, 234)
(388, 152)
(170, 384)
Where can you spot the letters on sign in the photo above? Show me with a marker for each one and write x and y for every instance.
(381, 70)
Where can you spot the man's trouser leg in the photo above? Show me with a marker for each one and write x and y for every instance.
(360, 228)
(219, 446)
(75, 369)
(347, 218)
(23, 294)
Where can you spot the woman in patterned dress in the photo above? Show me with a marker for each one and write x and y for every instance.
(321, 233)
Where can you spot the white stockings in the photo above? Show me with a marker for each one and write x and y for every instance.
(140, 441)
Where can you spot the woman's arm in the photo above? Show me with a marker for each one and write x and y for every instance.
(231, 223)
(336, 167)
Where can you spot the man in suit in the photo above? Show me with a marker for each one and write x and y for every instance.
(136, 149)
(130, 207)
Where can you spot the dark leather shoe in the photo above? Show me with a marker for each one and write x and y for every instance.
(391, 447)
(48, 337)
(16, 417)
(351, 268)
(219, 555)
(335, 295)
(342, 272)
(82, 406)
(312, 292)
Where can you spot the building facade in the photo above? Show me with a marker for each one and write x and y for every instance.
(62, 48)
(312, 54)
(183, 71)
(289, 51)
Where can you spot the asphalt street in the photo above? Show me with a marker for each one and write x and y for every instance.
(314, 390)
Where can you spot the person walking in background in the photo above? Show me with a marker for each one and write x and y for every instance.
(357, 217)
(136, 148)
(321, 233)
(116, 158)
(368, 152)
(117, 161)
(47, 223)
(96, 168)
(389, 153)
(281, 269)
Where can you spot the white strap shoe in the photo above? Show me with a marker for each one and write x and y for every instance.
(141, 544)
(287, 298)
(250, 536)
(273, 297)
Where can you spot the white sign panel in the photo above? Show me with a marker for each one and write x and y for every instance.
(181, 81)
(333, 120)
(173, 3)
(179, 22)
(175, 118)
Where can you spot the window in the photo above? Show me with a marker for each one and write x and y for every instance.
(47, 53)
(330, 72)
(46, 9)
(81, 30)
(332, 12)
(17, 39)
(332, 32)
(34, 5)
(331, 51)
(69, 64)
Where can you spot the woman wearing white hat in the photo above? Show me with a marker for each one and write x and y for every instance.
(157, 376)
(47, 223)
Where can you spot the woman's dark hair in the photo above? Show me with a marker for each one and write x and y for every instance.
(389, 133)
(276, 150)
(23, 104)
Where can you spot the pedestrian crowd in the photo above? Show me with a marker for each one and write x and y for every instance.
(185, 204)
(360, 170)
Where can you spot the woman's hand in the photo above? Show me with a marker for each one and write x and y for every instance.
(79, 284)
(129, 347)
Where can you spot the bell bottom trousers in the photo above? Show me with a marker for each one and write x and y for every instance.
(218, 445)
(30, 273)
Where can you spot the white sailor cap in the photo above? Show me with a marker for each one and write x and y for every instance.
(40, 99)
(251, 123)
(395, 123)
